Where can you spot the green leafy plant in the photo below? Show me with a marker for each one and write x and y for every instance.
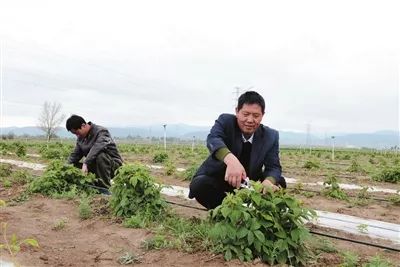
(5, 169)
(21, 177)
(333, 189)
(160, 157)
(60, 178)
(346, 157)
(395, 199)
(13, 244)
(363, 197)
(389, 174)
(270, 226)
(321, 245)
(155, 242)
(190, 172)
(134, 193)
(355, 167)
(55, 151)
(20, 149)
(311, 165)
(170, 168)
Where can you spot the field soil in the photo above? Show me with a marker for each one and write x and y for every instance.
(66, 240)
(102, 240)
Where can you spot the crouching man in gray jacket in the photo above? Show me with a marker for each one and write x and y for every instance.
(96, 145)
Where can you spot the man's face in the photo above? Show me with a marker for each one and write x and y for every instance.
(249, 118)
(81, 132)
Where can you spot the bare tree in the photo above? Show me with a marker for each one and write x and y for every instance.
(50, 118)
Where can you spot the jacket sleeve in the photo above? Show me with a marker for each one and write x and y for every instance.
(102, 139)
(272, 162)
(217, 136)
(76, 155)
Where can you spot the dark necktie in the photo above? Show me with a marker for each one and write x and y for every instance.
(245, 157)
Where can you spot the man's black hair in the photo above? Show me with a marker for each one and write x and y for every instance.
(251, 97)
(74, 122)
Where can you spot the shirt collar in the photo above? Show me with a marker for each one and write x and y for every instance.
(248, 140)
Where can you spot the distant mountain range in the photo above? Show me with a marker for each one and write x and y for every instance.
(379, 139)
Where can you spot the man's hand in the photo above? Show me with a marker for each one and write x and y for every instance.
(84, 168)
(234, 170)
(268, 184)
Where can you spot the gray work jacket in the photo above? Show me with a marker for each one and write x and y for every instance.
(97, 140)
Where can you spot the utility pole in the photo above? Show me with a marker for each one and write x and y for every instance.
(165, 137)
(308, 141)
(194, 137)
(333, 147)
(237, 92)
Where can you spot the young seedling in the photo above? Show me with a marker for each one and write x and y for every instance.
(13, 245)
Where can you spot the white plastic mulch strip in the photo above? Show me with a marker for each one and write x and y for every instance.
(158, 167)
(23, 164)
(346, 223)
(346, 186)
(356, 225)
(6, 264)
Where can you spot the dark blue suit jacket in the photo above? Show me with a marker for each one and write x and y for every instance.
(264, 159)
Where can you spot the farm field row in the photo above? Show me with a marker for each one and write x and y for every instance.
(178, 164)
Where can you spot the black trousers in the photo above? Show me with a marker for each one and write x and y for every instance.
(103, 167)
(210, 191)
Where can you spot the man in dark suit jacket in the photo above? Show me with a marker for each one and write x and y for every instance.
(240, 146)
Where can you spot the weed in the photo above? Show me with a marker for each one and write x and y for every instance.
(21, 177)
(320, 245)
(85, 210)
(350, 259)
(362, 228)
(377, 261)
(155, 242)
(59, 225)
(128, 258)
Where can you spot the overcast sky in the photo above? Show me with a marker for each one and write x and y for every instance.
(333, 65)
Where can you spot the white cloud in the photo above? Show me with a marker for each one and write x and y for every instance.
(334, 65)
